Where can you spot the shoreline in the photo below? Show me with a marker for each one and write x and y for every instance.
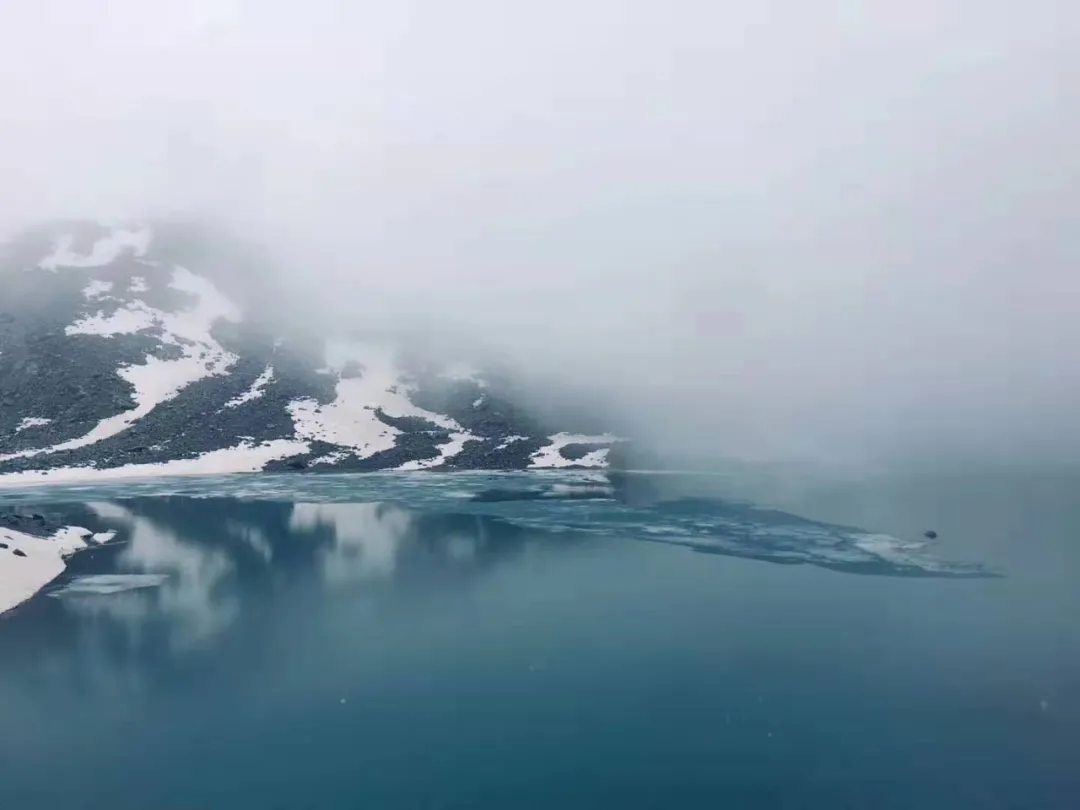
(40, 561)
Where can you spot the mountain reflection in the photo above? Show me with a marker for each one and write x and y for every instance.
(189, 577)
(257, 640)
(186, 569)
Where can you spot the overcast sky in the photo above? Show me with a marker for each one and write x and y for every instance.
(769, 227)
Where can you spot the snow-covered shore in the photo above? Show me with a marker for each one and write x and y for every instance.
(28, 563)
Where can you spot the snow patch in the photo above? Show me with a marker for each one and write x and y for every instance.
(255, 391)
(72, 536)
(97, 289)
(23, 576)
(105, 251)
(243, 458)
(138, 285)
(157, 381)
(597, 458)
(31, 422)
(331, 458)
(351, 421)
(509, 440)
(134, 318)
(549, 456)
(446, 451)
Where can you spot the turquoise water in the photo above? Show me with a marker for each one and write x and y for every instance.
(494, 641)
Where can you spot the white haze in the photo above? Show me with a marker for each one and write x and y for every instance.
(779, 228)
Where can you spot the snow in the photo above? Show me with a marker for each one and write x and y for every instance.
(510, 440)
(350, 420)
(75, 537)
(597, 458)
(446, 451)
(331, 458)
(255, 391)
(72, 536)
(31, 422)
(135, 317)
(22, 577)
(105, 251)
(243, 458)
(549, 456)
(97, 289)
(156, 381)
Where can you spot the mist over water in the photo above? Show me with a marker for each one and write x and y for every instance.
(755, 229)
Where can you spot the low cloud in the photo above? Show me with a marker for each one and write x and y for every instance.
(775, 229)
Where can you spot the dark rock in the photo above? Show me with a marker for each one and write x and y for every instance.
(930, 534)
(578, 450)
(19, 552)
(296, 464)
(411, 424)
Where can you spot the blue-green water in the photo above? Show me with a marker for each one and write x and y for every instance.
(471, 641)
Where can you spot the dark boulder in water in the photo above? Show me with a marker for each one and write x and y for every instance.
(930, 534)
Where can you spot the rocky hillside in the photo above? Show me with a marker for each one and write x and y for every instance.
(128, 350)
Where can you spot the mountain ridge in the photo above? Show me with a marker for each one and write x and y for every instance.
(122, 353)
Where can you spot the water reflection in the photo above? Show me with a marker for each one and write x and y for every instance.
(189, 576)
(183, 571)
(190, 561)
(364, 644)
(364, 542)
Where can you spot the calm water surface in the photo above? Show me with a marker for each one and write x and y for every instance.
(510, 641)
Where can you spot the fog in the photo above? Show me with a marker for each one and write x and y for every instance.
(766, 228)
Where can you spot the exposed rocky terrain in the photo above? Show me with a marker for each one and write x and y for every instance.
(136, 349)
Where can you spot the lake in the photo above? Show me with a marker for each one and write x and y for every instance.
(551, 640)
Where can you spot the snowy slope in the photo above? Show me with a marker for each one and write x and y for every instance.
(122, 354)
